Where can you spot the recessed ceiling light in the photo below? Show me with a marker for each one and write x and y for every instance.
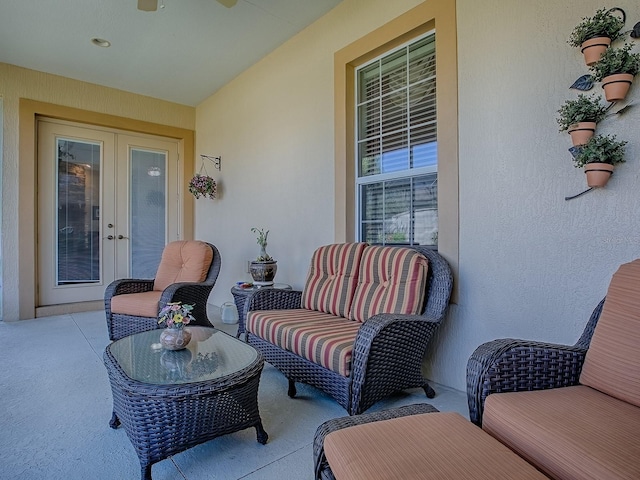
(101, 42)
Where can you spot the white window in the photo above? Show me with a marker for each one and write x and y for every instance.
(397, 166)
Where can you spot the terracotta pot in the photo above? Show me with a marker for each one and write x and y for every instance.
(581, 132)
(616, 86)
(598, 174)
(593, 49)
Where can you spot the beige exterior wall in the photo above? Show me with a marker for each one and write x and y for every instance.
(530, 264)
(26, 93)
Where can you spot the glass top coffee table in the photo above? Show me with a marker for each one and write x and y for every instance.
(169, 401)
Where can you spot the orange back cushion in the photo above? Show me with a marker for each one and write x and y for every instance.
(183, 261)
(391, 280)
(612, 364)
(332, 278)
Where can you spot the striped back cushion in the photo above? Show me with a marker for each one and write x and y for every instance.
(612, 364)
(391, 280)
(332, 278)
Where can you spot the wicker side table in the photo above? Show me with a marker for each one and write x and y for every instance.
(240, 296)
(169, 401)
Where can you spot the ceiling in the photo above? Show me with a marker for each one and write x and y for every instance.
(182, 53)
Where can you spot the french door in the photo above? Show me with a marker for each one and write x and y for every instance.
(106, 200)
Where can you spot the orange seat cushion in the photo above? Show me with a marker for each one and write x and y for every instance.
(183, 261)
(438, 446)
(570, 432)
(143, 304)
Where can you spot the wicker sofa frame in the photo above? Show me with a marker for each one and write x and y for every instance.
(388, 350)
(122, 325)
(511, 365)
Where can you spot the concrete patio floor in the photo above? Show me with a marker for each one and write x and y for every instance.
(57, 404)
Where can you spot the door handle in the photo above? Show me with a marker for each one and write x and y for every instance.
(120, 237)
(110, 237)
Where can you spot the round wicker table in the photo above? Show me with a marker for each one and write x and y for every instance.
(169, 401)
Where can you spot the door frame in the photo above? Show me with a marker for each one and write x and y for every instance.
(29, 110)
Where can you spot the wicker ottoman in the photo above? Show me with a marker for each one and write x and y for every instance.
(434, 445)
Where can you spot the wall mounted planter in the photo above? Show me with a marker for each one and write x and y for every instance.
(581, 132)
(617, 86)
(593, 49)
(598, 174)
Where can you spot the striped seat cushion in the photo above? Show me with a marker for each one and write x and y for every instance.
(391, 280)
(321, 338)
(332, 278)
(612, 364)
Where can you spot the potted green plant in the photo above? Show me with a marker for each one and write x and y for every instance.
(598, 158)
(579, 117)
(594, 34)
(263, 269)
(616, 69)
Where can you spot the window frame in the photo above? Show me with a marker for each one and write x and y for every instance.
(409, 173)
(439, 15)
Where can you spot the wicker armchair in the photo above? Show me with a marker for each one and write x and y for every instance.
(121, 324)
(388, 350)
(510, 365)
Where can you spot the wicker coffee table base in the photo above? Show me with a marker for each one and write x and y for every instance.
(162, 420)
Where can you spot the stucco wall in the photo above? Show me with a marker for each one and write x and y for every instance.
(532, 265)
(17, 83)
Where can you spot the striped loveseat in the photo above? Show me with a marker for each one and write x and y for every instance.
(360, 327)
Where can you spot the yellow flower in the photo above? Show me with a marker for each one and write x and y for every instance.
(177, 318)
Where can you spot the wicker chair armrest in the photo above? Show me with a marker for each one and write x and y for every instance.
(320, 461)
(128, 285)
(273, 299)
(192, 293)
(511, 365)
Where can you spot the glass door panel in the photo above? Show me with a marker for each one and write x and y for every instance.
(78, 212)
(148, 194)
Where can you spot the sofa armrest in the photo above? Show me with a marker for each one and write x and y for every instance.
(321, 467)
(387, 356)
(273, 299)
(510, 365)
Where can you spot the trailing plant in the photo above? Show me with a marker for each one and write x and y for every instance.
(616, 60)
(582, 109)
(600, 149)
(203, 186)
(603, 24)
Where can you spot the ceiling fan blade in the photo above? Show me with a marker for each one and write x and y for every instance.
(148, 5)
(227, 3)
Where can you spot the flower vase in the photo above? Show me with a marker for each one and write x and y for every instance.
(175, 338)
